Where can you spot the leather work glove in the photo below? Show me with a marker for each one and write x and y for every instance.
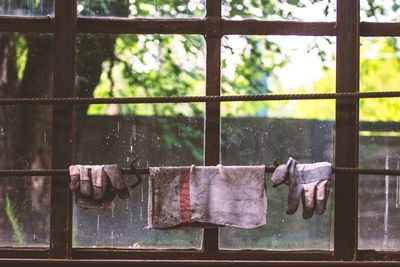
(306, 181)
(96, 186)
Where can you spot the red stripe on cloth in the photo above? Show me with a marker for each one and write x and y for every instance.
(185, 195)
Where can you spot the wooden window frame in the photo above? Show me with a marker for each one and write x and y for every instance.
(65, 25)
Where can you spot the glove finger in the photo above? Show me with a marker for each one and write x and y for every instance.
(114, 173)
(280, 175)
(74, 182)
(308, 199)
(99, 180)
(321, 196)
(294, 195)
(74, 177)
(85, 182)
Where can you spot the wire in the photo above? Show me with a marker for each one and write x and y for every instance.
(62, 172)
(188, 99)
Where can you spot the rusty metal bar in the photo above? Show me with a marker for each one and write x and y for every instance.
(27, 24)
(189, 99)
(192, 26)
(379, 29)
(258, 27)
(110, 253)
(64, 79)
(346, 137)
(188, 262)
(213, 109)
(203, 26)
(142, 26)
(61, 172)
(17, 252)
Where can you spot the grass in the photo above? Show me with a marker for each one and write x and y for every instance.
(15, 225)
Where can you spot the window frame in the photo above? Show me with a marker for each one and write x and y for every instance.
(65, 25)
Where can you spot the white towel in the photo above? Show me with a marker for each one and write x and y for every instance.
(210, 195)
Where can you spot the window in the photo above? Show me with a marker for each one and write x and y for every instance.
(204, 82)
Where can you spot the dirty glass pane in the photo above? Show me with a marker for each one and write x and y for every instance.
(379, 64)
(26, 7)
(25, 143)
(143, 8)
(25, 211)
(305, 10)
(275, 64)
(379, 202)
(277, 130)
(379, 10)
(160, 139)
(26, 70)
(140, 65)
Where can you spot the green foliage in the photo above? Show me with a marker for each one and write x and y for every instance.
(22, 53)
(13, 220)
(141, 8)
(379, 68)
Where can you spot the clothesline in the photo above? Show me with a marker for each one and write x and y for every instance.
(189, 99)
(59, 172)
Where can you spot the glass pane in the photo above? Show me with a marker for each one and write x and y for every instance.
(379, 10)
(379, 64)
(277, 130)
(26, 7)
(169, 139)
(140, 65)
(25, 211)
(143, 8)
(25, 143)
(275, 64)
(309, 10)
(379, 200)
(26, 70)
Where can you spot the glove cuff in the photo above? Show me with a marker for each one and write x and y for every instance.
(314, 172)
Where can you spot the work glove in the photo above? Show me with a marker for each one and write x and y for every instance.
(96, 186)
(306, 181)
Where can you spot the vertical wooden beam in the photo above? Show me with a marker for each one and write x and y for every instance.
(64, 78)
(213, 110)
(346, 140)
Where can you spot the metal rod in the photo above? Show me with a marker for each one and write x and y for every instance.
(61, 172)
(190, 99)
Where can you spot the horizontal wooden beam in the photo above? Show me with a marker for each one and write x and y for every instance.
(142, 26)
(94, 262)
(98, 253)
(27, 24)
(194, 26)
(18, 252)
(259, 27)
(379, 29)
